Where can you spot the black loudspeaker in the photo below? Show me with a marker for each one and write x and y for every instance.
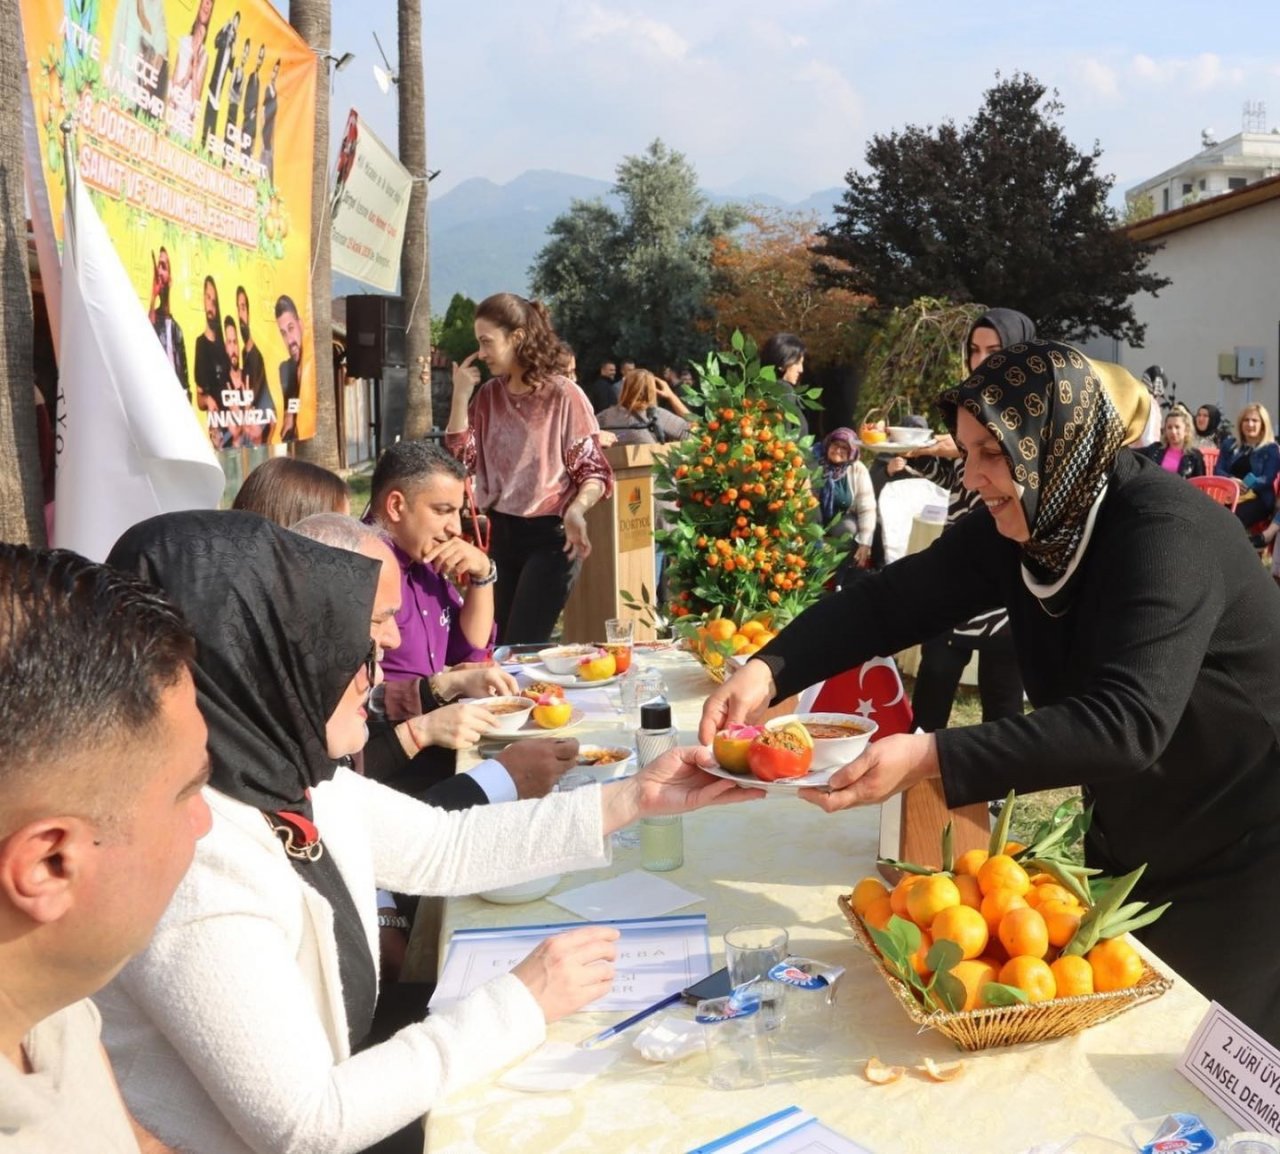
(375, 335)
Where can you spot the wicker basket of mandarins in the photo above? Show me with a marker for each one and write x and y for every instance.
(1009, 944)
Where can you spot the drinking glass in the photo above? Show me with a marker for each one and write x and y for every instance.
(619, 639)
(737, 1051)
(750, 952)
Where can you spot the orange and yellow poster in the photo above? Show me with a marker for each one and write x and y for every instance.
(192, 125)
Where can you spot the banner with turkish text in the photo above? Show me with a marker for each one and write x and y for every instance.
(370, 205)
(192, 128)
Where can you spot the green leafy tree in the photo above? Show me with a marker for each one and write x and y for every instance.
(1004, 209)
(454, 334)
(635, 281)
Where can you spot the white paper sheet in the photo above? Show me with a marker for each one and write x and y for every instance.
(556, 1067)
(656, 957)
(636, 894)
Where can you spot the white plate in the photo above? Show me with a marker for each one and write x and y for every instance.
(521, 892)
(891, 448)
(818, 777)
(532, 729)
(656, 646)
(540, 672)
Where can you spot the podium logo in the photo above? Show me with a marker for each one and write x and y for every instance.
(633, 500)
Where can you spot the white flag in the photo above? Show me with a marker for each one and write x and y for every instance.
(130, 444)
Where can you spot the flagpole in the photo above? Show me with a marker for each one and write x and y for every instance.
(67, 127)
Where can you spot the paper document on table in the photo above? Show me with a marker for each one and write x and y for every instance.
(556, 1067)
(656, 957)
(635, 894)
(789, 1131)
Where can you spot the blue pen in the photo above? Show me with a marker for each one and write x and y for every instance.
(627, 1023)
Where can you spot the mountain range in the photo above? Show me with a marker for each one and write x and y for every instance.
(484, 236)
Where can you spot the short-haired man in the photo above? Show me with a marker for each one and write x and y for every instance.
(254, 370)
(102, 760)
(603, 391)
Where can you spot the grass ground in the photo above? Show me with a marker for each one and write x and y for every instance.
(358, 483)
(1031, 808)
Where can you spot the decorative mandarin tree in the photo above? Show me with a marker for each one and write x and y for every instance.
(745, 540)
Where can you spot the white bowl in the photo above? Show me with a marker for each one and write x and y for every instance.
(618, 766)
(529, 891)
(511, 720)
(564, 659)
(908, 435)
(833, 752)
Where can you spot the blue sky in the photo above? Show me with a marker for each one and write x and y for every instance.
(781, 96)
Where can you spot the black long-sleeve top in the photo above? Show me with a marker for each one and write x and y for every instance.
(1158, 689)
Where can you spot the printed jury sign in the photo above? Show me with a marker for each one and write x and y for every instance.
(1237, 1069)
(370, 205)
(193, 129)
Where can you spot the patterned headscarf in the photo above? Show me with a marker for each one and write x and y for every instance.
(833, 474)
(1048, 409)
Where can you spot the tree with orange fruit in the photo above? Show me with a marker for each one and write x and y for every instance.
(745, 550)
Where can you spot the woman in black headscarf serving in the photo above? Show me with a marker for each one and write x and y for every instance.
(1155, 676)
(240, 1027)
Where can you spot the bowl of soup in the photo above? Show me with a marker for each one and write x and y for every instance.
(565, 659)
(603, 762)
(838, 738)
(909, 435)
(510, 713)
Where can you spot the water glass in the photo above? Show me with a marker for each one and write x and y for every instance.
(809, 988)
(620, 630)
(649, 684)
(750, 952)
(737, 1050)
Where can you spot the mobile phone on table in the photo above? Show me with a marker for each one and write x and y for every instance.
(712, 986)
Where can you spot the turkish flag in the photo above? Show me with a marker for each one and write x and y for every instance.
(873, 690)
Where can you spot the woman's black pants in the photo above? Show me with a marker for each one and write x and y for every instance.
(535, 576)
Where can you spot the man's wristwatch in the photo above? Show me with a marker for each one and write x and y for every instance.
(489, 578)
(393, 922)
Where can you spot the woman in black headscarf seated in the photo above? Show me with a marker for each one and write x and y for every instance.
(1153, 667)
(235, 1030)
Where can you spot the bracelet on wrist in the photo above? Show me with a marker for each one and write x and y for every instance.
(488, 579)
(413, 736)
(393, 922)
(433, 685)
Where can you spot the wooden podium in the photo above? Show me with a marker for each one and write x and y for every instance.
(621, 529)
(911, 826)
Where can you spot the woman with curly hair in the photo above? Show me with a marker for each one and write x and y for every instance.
(529, 436)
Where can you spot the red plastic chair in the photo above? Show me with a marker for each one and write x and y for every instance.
(1210, 459)
(1221, 489)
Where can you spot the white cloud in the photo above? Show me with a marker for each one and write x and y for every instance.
(1099, 78)
(599, 24)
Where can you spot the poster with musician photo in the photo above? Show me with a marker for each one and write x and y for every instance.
(192, 127)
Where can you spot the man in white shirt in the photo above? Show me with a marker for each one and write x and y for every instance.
(102, 760)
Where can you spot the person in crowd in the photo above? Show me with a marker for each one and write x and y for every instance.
(1155, 676)
(447, 613)
(235, 1030)
(943, 658)
(1175, 454)
(102, 760)
(1211, 431)
(529, 436)
(285, 490)
(785, 353)
(638, 419)
(1254, 463)
(603, 391)
(846, 499)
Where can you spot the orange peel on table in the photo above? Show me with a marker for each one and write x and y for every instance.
(937, 1073)
(876, 1071)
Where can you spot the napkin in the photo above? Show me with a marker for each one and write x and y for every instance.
(668, 1038)
(556, 1067)
(635, 894)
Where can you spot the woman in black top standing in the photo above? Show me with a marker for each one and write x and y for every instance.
(1155, 675)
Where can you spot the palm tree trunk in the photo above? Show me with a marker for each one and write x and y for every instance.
(21, 504)
(415, 283)
(312, 19)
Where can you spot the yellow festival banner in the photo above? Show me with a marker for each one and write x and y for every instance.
(193, 129)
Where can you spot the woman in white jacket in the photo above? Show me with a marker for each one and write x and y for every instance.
(238, 1029)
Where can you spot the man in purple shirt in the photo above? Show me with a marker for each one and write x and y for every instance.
(417, 497)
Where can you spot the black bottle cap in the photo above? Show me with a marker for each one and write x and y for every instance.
(655, 714)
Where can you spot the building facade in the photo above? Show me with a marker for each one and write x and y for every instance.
(1217, 168)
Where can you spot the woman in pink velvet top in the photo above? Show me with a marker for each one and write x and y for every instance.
(529, 437)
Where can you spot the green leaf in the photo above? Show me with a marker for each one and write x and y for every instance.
(948, 849)
(737, 341)
(943, 956)
(949, 990)
(1000, 834)
(996, 994)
